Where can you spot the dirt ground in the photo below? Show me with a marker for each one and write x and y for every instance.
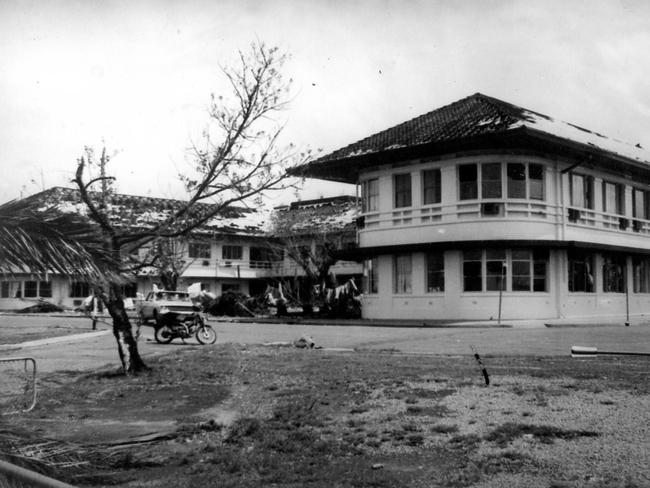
(249, 416)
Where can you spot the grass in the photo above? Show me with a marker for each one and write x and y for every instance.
(300, 418)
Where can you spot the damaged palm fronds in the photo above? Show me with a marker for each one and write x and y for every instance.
(46, 240)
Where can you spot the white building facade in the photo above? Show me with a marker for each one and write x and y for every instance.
(481, 209)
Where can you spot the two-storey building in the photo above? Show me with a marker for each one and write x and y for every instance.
(482, 209)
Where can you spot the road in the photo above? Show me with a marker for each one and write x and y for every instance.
(94, 352)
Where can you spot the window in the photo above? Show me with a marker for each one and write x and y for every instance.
(370, 197)
(525, 181)
(491, 180)
(535, 181)
(79, 289)
(231, 252)
(640, 204)
(641, 271)
(529, 270)
(472, 270)
(614, 273)
(581, 272)
(31, 289)
(505, 270)
(9, 289)
(431, 186)
(403, 273)
(581, 189)
(468, 182)
(402, 185)
(45, 289)
(229, 287)
(371, 276)
(435, 272)
(516, 180)
(495, 269)
(613, 198)
(199, 250)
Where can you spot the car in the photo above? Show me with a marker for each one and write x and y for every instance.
(157, 303)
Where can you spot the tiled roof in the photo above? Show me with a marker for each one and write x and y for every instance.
(476, 115)
(335, 215)
(137, 212)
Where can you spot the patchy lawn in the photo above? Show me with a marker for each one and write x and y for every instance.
(14, 330)
(250, 417)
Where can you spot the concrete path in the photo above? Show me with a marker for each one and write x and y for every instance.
(92, 350)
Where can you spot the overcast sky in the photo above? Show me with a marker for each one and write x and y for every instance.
(138, 74)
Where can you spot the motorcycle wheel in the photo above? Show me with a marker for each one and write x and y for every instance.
(163, 335)
(206, 335)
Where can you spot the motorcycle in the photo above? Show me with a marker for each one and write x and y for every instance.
(173, 326)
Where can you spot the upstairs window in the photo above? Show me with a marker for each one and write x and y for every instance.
(403, 273)
(613, 198)
(199, 250)
(468, 182)
(431, 186)
(640, 204)
(402, 185)
(536, 181)
(435, 272)
(231, 252)
(370, 195)
(525, 181)
(491, 180)
(581, 189)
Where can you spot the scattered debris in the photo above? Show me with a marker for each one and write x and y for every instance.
(42, 306)
(377, 466)
(305, 342)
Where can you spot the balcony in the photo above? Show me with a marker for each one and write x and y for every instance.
(514, 219)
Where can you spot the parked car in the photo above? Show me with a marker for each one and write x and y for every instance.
(158, 303)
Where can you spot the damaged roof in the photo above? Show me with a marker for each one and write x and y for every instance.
(323, 216)
(476, 116)
(130, 212)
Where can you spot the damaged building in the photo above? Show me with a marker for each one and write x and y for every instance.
(482, 209)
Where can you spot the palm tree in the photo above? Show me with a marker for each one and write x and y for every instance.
(42, 241)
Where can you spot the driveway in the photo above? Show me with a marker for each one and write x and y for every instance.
(90, 352)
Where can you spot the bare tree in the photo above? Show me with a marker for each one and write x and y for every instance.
(311, 236)
(240, 158)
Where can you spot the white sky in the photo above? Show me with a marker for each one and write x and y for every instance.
(138, 74)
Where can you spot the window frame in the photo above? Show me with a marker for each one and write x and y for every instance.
(587, 195)
(491, 278)
(614, 280)
(641, 274)
(370, 199)
(402, 197)
(435, 187)
(199, 250)
(588, 260)
(431, 271)
(618, 197)
(403, 277)
(371, 276)
(235, 256)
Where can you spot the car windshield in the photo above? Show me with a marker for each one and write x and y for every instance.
(173, 296)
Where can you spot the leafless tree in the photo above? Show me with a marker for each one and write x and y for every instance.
(312, 245)
(239, 159)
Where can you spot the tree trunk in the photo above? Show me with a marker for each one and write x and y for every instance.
(127, 346)
(169, 279)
